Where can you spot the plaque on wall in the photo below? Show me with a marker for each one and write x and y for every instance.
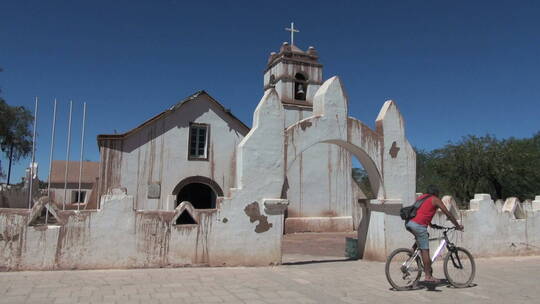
(154, 190)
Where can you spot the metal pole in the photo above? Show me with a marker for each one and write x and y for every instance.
(33, 157)
(81, 158)
(10, 159)
(50, 161)
(67, 154)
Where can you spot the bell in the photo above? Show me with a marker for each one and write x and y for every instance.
(300, 90)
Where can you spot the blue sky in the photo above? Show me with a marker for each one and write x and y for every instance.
(454, 67)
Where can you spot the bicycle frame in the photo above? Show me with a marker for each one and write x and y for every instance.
(444, 243)
(440, 248)
(411, 264)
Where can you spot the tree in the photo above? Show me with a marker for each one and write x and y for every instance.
(517, 173)
(15, 133)
(361, 177)
(502, 168)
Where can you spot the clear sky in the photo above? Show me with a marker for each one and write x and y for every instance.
(454, 67)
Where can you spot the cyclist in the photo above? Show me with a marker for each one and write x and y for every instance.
(418, 226)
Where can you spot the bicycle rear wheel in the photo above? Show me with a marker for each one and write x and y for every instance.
(402, 272)
(459, 267)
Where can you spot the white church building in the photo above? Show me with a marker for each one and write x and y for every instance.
(188, 153)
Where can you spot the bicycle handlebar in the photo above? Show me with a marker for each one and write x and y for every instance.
(434, 226)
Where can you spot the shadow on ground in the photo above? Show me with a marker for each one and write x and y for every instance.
(433, 286)
(311, 248)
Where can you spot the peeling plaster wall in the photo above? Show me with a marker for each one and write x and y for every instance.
(245, 228)
(324, 171)
(117, 236)
(158, 153)
(320, 185)
(494, 230)
(491, 229)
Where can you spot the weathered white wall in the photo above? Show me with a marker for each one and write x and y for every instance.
(245, 228)
(386, 229)
(321, 190)
(494, 230)
(247, 225)
(117, 236)
(158, 153)
(491, 229)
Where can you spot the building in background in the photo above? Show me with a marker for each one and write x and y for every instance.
(68, 188)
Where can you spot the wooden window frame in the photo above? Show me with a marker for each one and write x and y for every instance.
(206, 145)
(75, 192)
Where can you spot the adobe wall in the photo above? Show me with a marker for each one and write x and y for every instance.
(491, 229)
(245, 228)
(321, 191)
(117, 236)
(502, 229)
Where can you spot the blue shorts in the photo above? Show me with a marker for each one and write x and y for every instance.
(420, 233)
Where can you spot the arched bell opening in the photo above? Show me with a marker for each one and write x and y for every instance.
(300, 86)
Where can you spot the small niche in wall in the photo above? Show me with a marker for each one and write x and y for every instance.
(154, 190)
(185, 219)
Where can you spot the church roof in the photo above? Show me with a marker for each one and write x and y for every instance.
(165, 113)
(290, 52)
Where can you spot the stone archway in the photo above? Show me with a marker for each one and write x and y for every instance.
(202, 192)
(261, 161)
(385, 154)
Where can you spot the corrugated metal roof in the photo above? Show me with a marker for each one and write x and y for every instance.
(90, 171)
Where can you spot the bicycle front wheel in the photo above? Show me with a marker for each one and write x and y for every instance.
(459, 267)
(402, 271)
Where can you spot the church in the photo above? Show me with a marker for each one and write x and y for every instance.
(194, 185)
(188, 153)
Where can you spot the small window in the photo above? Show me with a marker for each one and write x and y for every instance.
(198, 141)
(78, 197)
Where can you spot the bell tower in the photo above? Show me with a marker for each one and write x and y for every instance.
(296, 75)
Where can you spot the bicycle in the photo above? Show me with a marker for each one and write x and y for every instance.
(458, 262)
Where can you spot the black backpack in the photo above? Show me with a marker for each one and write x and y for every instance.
(409, 212)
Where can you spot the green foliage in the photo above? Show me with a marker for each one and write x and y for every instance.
(361, 177)
(502, 168)
(15, 131)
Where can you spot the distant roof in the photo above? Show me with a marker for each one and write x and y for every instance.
(172, 109)
(90, 171)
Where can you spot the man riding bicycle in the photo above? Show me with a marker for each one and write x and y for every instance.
(418, 226)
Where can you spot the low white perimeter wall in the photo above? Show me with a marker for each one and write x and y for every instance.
(491, 229)
(117, 236)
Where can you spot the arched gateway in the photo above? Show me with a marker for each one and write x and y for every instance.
(267, 150)
(385, 153)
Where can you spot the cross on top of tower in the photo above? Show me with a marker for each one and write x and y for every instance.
(292, 30)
